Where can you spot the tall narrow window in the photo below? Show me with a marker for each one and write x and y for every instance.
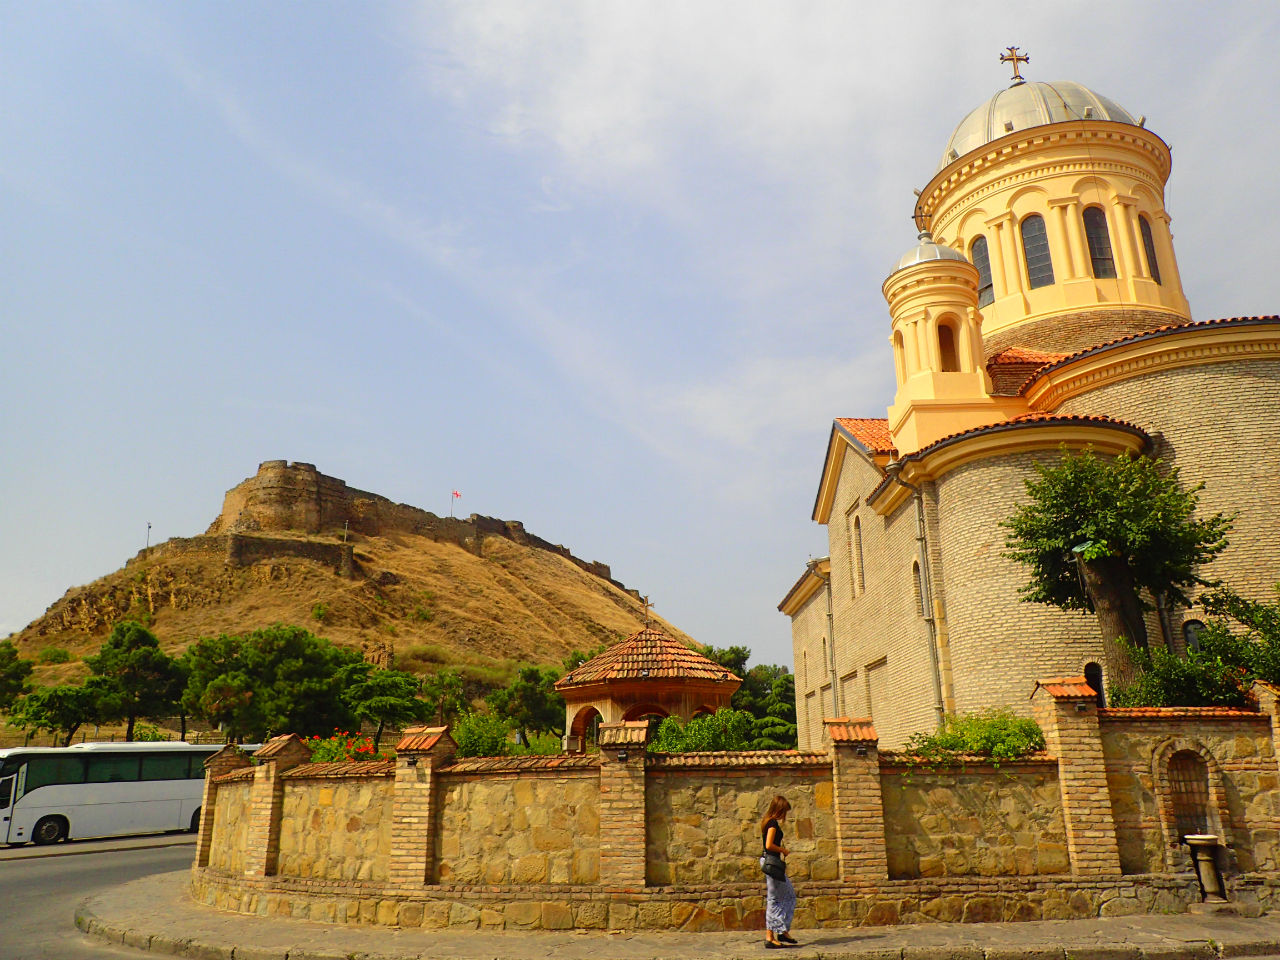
(947, 348)
(918, 584)
(1095, 232)
(982, 260)
(859, 576)
(1149, 247)
(1093, 677)
(899, 357)
(1035, 250)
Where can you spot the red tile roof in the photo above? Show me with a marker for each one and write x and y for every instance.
(1157, 332)
(340, 769)
(845, 730)
(563, 761)
(243, 773)
(1066, 688)
(420, 739)
(738, 758)
(871, 432)
(1047, 419)
(1179, 713)
(277, 745)
(648, 654)
(1022, 355)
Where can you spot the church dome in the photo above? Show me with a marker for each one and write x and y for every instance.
(927, 250)
(1030, 104)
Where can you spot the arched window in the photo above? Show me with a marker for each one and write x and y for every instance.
(1095, 232)
(1191, 631)
(1035, 251)
(947, 348)
(858, 574)
(1149, 246)
(918, 586)
(978, 254)
(1189, 790)
(1093, 677)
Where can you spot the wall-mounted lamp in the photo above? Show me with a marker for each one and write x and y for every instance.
(412, 761)
(623, 756)
(861, 751)
(1082, 708)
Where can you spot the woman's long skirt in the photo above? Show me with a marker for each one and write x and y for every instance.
(780, 904)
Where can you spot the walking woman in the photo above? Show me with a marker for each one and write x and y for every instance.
(780, 904)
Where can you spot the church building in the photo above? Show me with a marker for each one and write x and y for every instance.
(1042, 308)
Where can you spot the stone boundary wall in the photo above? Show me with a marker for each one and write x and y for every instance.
(631, 840)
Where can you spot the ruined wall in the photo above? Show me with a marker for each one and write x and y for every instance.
(336, 828)
(703, 813)
(531, 828)
(976, 820)
(231, 826)
(1241, 758)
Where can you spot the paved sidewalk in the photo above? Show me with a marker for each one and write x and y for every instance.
(156, 914)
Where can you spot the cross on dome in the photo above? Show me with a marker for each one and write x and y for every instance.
(1014, 58)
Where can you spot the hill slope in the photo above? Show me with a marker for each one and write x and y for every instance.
(410, 598)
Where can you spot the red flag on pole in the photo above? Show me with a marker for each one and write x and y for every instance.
(456, 494)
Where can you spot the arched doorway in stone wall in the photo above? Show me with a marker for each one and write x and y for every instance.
(582, 731)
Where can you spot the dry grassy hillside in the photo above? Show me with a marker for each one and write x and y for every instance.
(427, 602)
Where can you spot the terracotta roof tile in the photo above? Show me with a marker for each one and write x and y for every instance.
(1148, 334)
(564, 761)
(846, 730)
(903, 758)
(738, 758)
(243, 773)
(1179, 713)
(1021, 355)
(648, 654)
(277, 745)
(1066, 688)
(420, 739)
(871, 432)
(341, 768)
(1048, 419)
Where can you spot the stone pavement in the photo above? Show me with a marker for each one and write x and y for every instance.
(156, 914)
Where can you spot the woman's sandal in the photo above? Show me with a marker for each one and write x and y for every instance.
(770, 945)
(787, 938)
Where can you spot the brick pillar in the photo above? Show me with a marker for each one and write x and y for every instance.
(420, 751)
(622, 791)
(859, 810)
(266, 800)
(225, 760)
(1067, 711)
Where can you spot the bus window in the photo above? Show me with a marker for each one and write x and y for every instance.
(113, 767)
(165, 766)
(6, 792)
(46, 771)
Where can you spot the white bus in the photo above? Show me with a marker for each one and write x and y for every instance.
(99, 790)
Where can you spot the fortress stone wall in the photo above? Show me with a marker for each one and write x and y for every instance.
(296, 497)
(627, 839)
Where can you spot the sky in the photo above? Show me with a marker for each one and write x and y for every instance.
(607, 268)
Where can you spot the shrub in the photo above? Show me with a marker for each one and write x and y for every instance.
(55, 655)
(343, 746)
(997, 734)
(320, 612)
(1216, 675)
(481, 735)
(423, 614)
(148, 733)
(726, 729)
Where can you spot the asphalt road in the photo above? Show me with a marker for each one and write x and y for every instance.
(38, 897)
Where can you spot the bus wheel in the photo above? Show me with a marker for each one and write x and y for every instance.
(49, 830)
(195, 822)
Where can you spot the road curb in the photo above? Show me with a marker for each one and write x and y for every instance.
(89, 850)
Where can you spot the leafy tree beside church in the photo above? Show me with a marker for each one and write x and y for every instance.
(1097, 532)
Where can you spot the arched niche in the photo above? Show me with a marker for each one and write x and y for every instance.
(1173, 789)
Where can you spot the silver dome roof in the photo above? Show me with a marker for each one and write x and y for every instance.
(1030, 104)
(927, 250)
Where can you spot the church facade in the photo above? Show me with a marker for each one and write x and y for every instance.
(1042, 308)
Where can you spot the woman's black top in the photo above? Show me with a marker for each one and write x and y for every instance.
(764, 834)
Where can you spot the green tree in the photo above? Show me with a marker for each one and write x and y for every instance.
(445, 695)
(281, 679)
(776, 728)
(13, 674)
(386, 697)
(531, 702)
(135, 677)
(1095, 532)
(768, 693)
(578, 657)
(60, 710)
(481, 735)
(726, 729)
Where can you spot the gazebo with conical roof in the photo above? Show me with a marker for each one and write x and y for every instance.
(647, 674)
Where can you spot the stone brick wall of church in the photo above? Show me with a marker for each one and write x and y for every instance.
(996, 641)
(1218, 423)
(977, 821)
(703, 826)
(808, 629)
(883, 662)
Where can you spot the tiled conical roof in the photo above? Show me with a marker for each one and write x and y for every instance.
(648, 654)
